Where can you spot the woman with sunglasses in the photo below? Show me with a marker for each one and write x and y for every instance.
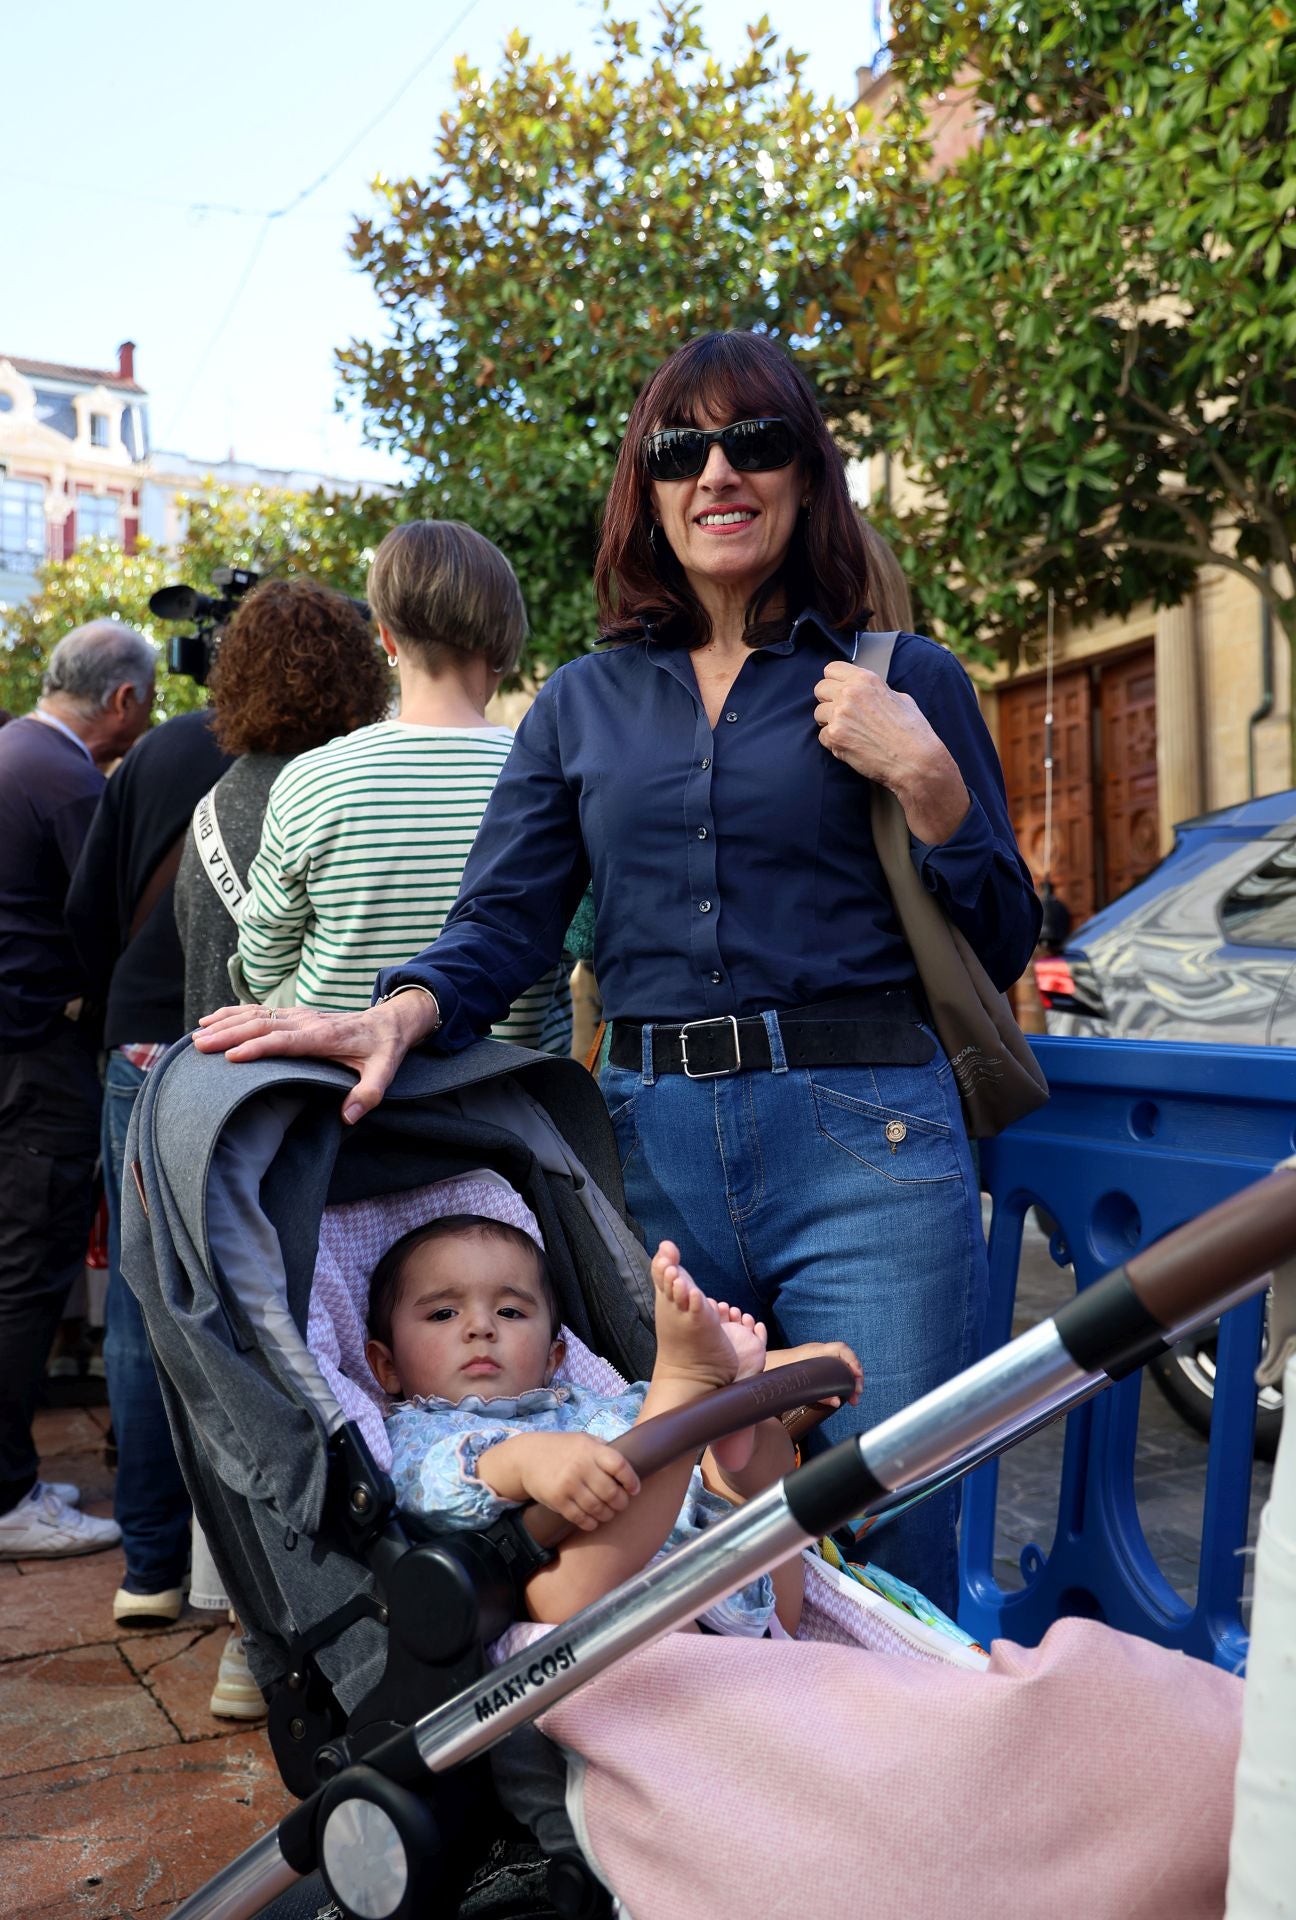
(778, 1099)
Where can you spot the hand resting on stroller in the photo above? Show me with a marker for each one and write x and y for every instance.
(464, 1331)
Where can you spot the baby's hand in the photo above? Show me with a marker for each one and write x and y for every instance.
(821, 1350)
(584, 1479)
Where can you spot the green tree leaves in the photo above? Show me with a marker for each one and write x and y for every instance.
(329, 537)
(572, 230)
(1093, 376)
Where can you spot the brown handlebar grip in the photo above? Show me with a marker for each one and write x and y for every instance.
(1202, 1262)
(654, 1443)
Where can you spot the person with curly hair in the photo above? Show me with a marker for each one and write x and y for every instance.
(298, 666)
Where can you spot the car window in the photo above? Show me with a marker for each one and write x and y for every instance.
(1260, 910)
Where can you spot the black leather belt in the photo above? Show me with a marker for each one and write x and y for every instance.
(875, 1029)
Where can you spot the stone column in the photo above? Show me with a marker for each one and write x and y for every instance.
(1181, 782)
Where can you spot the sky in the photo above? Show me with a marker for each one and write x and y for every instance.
(133, 135)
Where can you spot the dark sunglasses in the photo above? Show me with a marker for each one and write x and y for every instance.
(751, 446)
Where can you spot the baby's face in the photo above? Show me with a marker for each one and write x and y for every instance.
(471, 1318)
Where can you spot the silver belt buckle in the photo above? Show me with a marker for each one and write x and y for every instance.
(718, 1073)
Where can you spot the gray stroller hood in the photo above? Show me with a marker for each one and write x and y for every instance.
(232, 1169)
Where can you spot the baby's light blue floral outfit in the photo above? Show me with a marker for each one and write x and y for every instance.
(436, 1445)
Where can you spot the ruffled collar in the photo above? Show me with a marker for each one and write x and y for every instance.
(534, 1400)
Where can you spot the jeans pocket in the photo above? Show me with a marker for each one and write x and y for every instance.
(940, 1060)
(891, 1119)
(621, 1088)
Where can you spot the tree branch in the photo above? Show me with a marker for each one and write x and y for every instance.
(1207, 557)
(1232, 482)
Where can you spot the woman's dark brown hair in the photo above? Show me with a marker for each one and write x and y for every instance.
(714, 379)
(298, 665)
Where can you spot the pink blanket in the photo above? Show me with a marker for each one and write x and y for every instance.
(1090, 1778)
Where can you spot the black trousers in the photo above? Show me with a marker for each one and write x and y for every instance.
(49, 1142)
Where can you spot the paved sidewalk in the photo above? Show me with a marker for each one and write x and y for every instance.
(119, 1793)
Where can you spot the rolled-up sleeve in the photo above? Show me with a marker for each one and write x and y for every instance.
(977, 875)
(522, 883)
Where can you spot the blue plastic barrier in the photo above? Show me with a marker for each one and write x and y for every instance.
(1137, 1138)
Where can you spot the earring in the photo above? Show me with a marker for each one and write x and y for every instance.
(652, 537)
(805, 504)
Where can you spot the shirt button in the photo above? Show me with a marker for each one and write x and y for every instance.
(731, 716)
(704, 906)
(706, 762)
(702, 833)
(716, 978)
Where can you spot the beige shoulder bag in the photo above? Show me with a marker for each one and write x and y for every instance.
(998, 1077)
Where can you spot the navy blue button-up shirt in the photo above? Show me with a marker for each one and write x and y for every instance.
(733, 867)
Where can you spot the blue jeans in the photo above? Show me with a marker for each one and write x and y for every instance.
(150, 1505)
(788, 1199)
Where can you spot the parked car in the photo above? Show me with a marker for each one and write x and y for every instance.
(1203, 948)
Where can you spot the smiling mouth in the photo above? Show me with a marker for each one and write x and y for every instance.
(728, 517)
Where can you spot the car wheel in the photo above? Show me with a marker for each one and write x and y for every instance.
(1186, 1376)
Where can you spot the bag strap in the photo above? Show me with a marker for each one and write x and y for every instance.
(162, 876)
(874, 650)
(214, 857)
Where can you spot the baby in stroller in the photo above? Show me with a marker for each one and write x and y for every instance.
(463, 1307)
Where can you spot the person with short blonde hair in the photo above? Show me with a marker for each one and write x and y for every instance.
(441, 589)
(365, 839)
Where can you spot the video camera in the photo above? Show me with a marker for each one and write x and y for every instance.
(192, 653)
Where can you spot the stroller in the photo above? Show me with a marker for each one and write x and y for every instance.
(369, 1633)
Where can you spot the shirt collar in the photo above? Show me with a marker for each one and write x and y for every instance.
(52, 720)
(845, 639)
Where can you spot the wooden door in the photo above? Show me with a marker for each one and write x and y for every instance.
(1131, 821)
(1021, 746)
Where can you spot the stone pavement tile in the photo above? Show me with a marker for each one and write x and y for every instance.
(66, 1430)
(60, 1603)
(81, 1704)
(179, 1668)
(133, 1835)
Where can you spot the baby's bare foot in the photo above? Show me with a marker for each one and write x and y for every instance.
(692, 1341)
(746, 1335)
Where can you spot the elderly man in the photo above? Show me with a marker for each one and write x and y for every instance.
(98, 691)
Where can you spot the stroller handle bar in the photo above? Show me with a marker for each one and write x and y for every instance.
(655, 1443)
(1251, 1233)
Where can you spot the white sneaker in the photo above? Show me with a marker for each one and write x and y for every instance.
(236, 1695)
(43, 1527)
(61, 1489)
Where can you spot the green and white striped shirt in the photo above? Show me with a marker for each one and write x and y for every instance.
(362, 851)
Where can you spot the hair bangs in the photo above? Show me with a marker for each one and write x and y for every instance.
(722, 380)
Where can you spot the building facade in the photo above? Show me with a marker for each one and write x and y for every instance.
(73, 456)
(76, 465)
